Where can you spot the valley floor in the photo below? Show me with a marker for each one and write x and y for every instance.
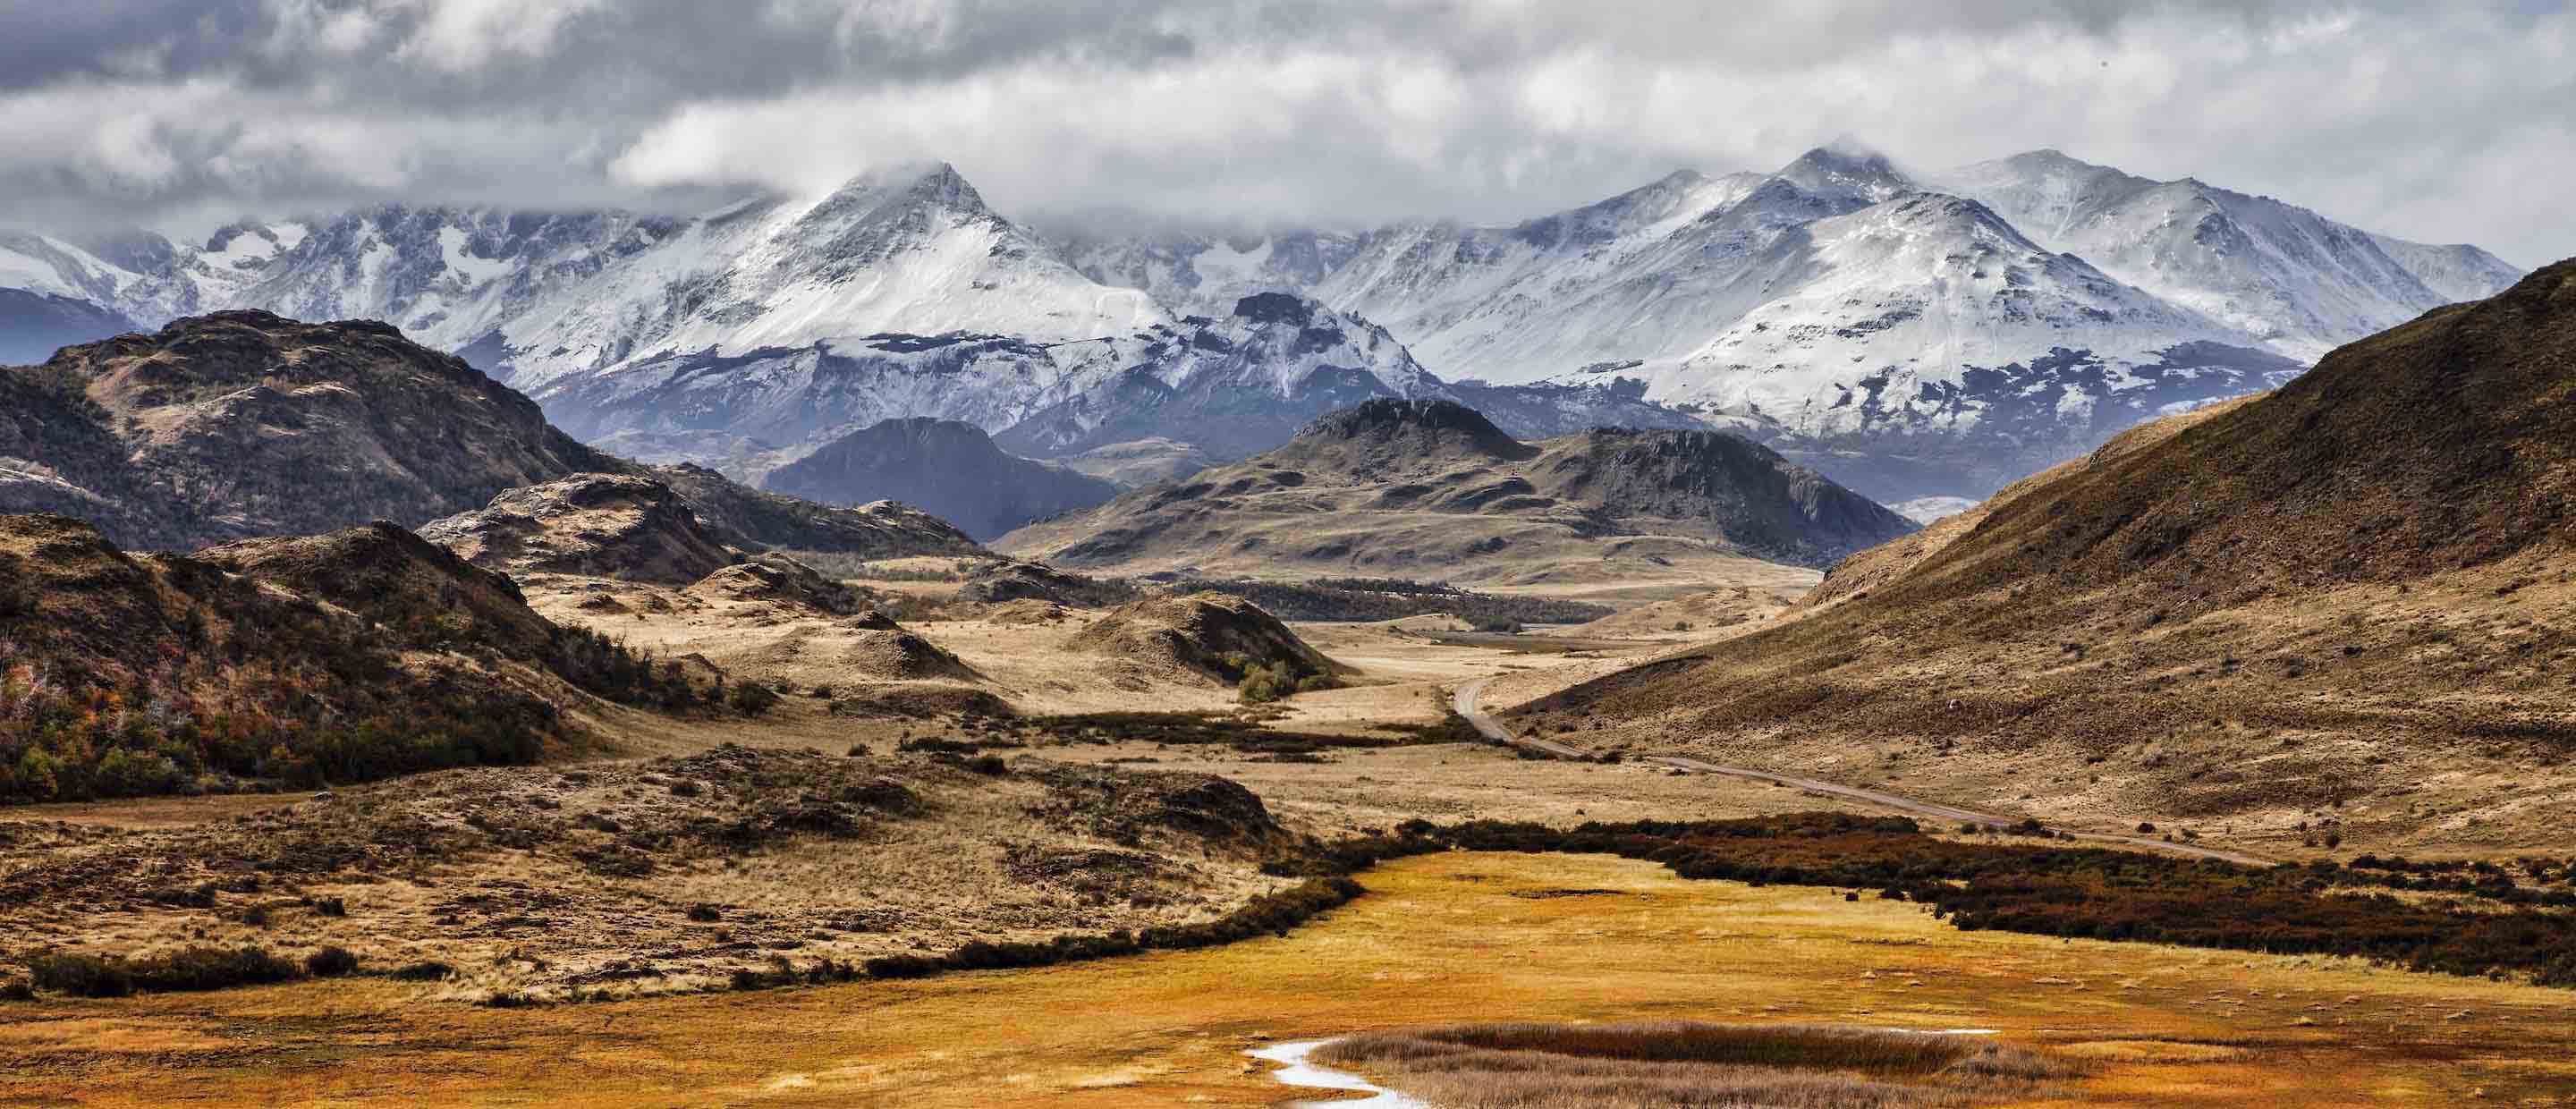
(1453, 937)
(1444, 938)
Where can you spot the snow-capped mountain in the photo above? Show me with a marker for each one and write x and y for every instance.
(1913, 335)
(2300, 283)
(1935, 335)
(54, 294)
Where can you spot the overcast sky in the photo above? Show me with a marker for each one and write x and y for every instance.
(2451, 121)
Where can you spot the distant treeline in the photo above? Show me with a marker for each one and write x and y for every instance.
(1366, 599)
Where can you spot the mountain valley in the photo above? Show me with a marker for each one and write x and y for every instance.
(1013, 554)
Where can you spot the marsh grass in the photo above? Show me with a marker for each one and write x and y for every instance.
(1680, 1063)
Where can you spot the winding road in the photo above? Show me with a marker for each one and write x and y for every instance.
(1469, 693)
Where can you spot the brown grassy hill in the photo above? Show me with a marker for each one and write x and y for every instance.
(337, 658)
(1215, 635)
(2344, 605)
(1432, 489)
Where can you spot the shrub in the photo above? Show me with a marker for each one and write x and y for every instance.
(211, 968)
(80, 975)
(425, 971)
(753, 700)
(331, 962)
(705, 913)
(17, 989)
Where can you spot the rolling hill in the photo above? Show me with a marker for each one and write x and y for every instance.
(2345, 604)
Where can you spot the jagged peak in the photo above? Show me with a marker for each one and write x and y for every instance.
(1847, 166)
(1278, 307)
(930, 180)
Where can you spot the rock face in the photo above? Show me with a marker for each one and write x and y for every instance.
(949, 469)
(242, 424)
(1212, 634)
(1433, 489)
(2315, 566)
(592, 525)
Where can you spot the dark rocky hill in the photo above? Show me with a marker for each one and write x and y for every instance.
(950, 469)
(245, 424)
(242, 424)
(1428, 488)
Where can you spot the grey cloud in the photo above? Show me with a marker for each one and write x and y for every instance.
(2441, 123)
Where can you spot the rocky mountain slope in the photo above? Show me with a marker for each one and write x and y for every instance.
(756, 520)
(2358, 584)
(1433, 489)
(243, 424)
(2296, 281)
(950, 469)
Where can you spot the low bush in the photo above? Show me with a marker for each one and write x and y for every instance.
(331, 962)
(80, 975)
(426, 971)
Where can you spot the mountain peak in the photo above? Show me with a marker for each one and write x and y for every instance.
(1423, 427)
(1848, 145)
(934, 181)
(1846, 167)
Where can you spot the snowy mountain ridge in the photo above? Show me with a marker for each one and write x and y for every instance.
(1916, 335)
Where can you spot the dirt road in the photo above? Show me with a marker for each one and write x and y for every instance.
(1469, 693)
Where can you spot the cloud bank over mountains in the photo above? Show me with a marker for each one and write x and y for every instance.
(2442, 125)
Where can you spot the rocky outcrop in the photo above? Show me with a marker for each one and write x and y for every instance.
(756, 520)
(593, 525)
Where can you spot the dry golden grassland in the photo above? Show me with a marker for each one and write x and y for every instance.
(1443, 939)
